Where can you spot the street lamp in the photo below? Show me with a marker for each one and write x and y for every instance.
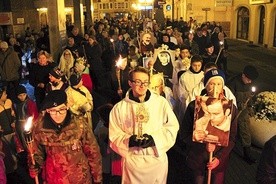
(137, 7)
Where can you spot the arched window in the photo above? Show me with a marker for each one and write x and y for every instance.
(262, 25)
(243, 23)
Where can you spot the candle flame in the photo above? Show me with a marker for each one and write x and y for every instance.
(221, 42)
(253, 89)
(28, 124)
(111, 40)
(119, 62)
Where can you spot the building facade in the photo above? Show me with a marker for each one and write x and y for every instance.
(250, 20)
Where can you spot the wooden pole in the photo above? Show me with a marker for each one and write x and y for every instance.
(209, 170)
(118, 75)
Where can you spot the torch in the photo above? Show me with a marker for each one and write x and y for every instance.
(112, 41)
(118, 74)
(29, 142)
(220, 49)
(253, 90)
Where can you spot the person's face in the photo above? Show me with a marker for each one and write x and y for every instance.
(75, 31)
(199, 33)
(156, 85)
(216, 113)
(139, 84)
(214, 87)
(146, 39)
(120, 37)
(165, 39)
(246, 80)
(67, 55)
(184, 53)
(86, 36)
(22, 96)
(169, 31)
(71, 41)
(58, 113)
(221, 36)
(191, 36)
(105, 34)
(42, 60)
(53, 79)
(210, 50)
(164, 58)
(196, 66)
(90, 41)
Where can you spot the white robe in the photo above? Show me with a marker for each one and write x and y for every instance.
(187, 82)
(149, 165)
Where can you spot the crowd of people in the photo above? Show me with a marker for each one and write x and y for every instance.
(119, 97)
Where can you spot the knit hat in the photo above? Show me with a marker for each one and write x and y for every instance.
(21, 89)
(208, 45)
(56, 72)
(250, 72)
(4, 45)
(54, 99)
(75, 79)
(212, 74)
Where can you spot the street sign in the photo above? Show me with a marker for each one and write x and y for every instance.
(161, 2)
(206, 9)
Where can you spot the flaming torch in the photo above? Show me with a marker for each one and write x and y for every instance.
(29, 142)
(113, 46)
(221, 43)
(119, 63)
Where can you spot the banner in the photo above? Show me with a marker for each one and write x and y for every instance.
(5, 18)
(219, 3)
(212, 120)
(259, 1)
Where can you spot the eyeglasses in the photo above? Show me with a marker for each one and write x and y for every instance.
(67, 54)
(60, 111)
(138, 82)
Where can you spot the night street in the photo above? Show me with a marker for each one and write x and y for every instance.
(241, 53)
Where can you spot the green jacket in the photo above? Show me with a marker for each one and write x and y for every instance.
(9, 65)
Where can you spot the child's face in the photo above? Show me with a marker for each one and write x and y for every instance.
(214, 87)
(196, 66)
(184, 53)
(22, 97)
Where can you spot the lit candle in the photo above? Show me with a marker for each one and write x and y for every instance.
(215, 95)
